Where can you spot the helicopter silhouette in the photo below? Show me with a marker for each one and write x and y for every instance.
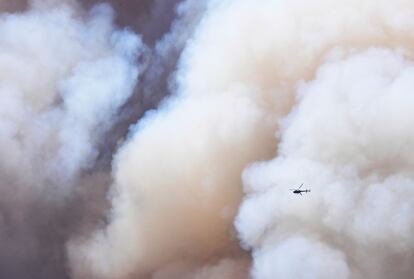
(299, 191)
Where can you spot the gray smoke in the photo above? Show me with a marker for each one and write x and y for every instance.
(154, 139)
(67, 76)
(62, 81)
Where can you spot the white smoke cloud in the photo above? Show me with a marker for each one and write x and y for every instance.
(349, 139)
(177, 181)
(63, 77)
(299, 258)
(322, 87)
(62, 81)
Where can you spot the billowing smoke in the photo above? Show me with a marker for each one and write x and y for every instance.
(63, 80)
(159, 139)
(349, 139)
(67, 74)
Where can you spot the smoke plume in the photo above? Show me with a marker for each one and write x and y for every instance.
(354, 153)
(66, 74)
(159, 139)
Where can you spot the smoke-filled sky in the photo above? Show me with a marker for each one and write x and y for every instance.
(160, 139)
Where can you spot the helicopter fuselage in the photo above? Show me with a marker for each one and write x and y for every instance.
(300, 191)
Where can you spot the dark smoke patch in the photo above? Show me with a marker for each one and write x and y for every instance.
(150, 18)
(11, 6)
(166, 31)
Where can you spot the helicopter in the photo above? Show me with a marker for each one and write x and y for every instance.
(299, 191)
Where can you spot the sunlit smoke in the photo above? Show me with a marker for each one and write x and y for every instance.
(348, 139)
(234, 82)
(146, 139)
